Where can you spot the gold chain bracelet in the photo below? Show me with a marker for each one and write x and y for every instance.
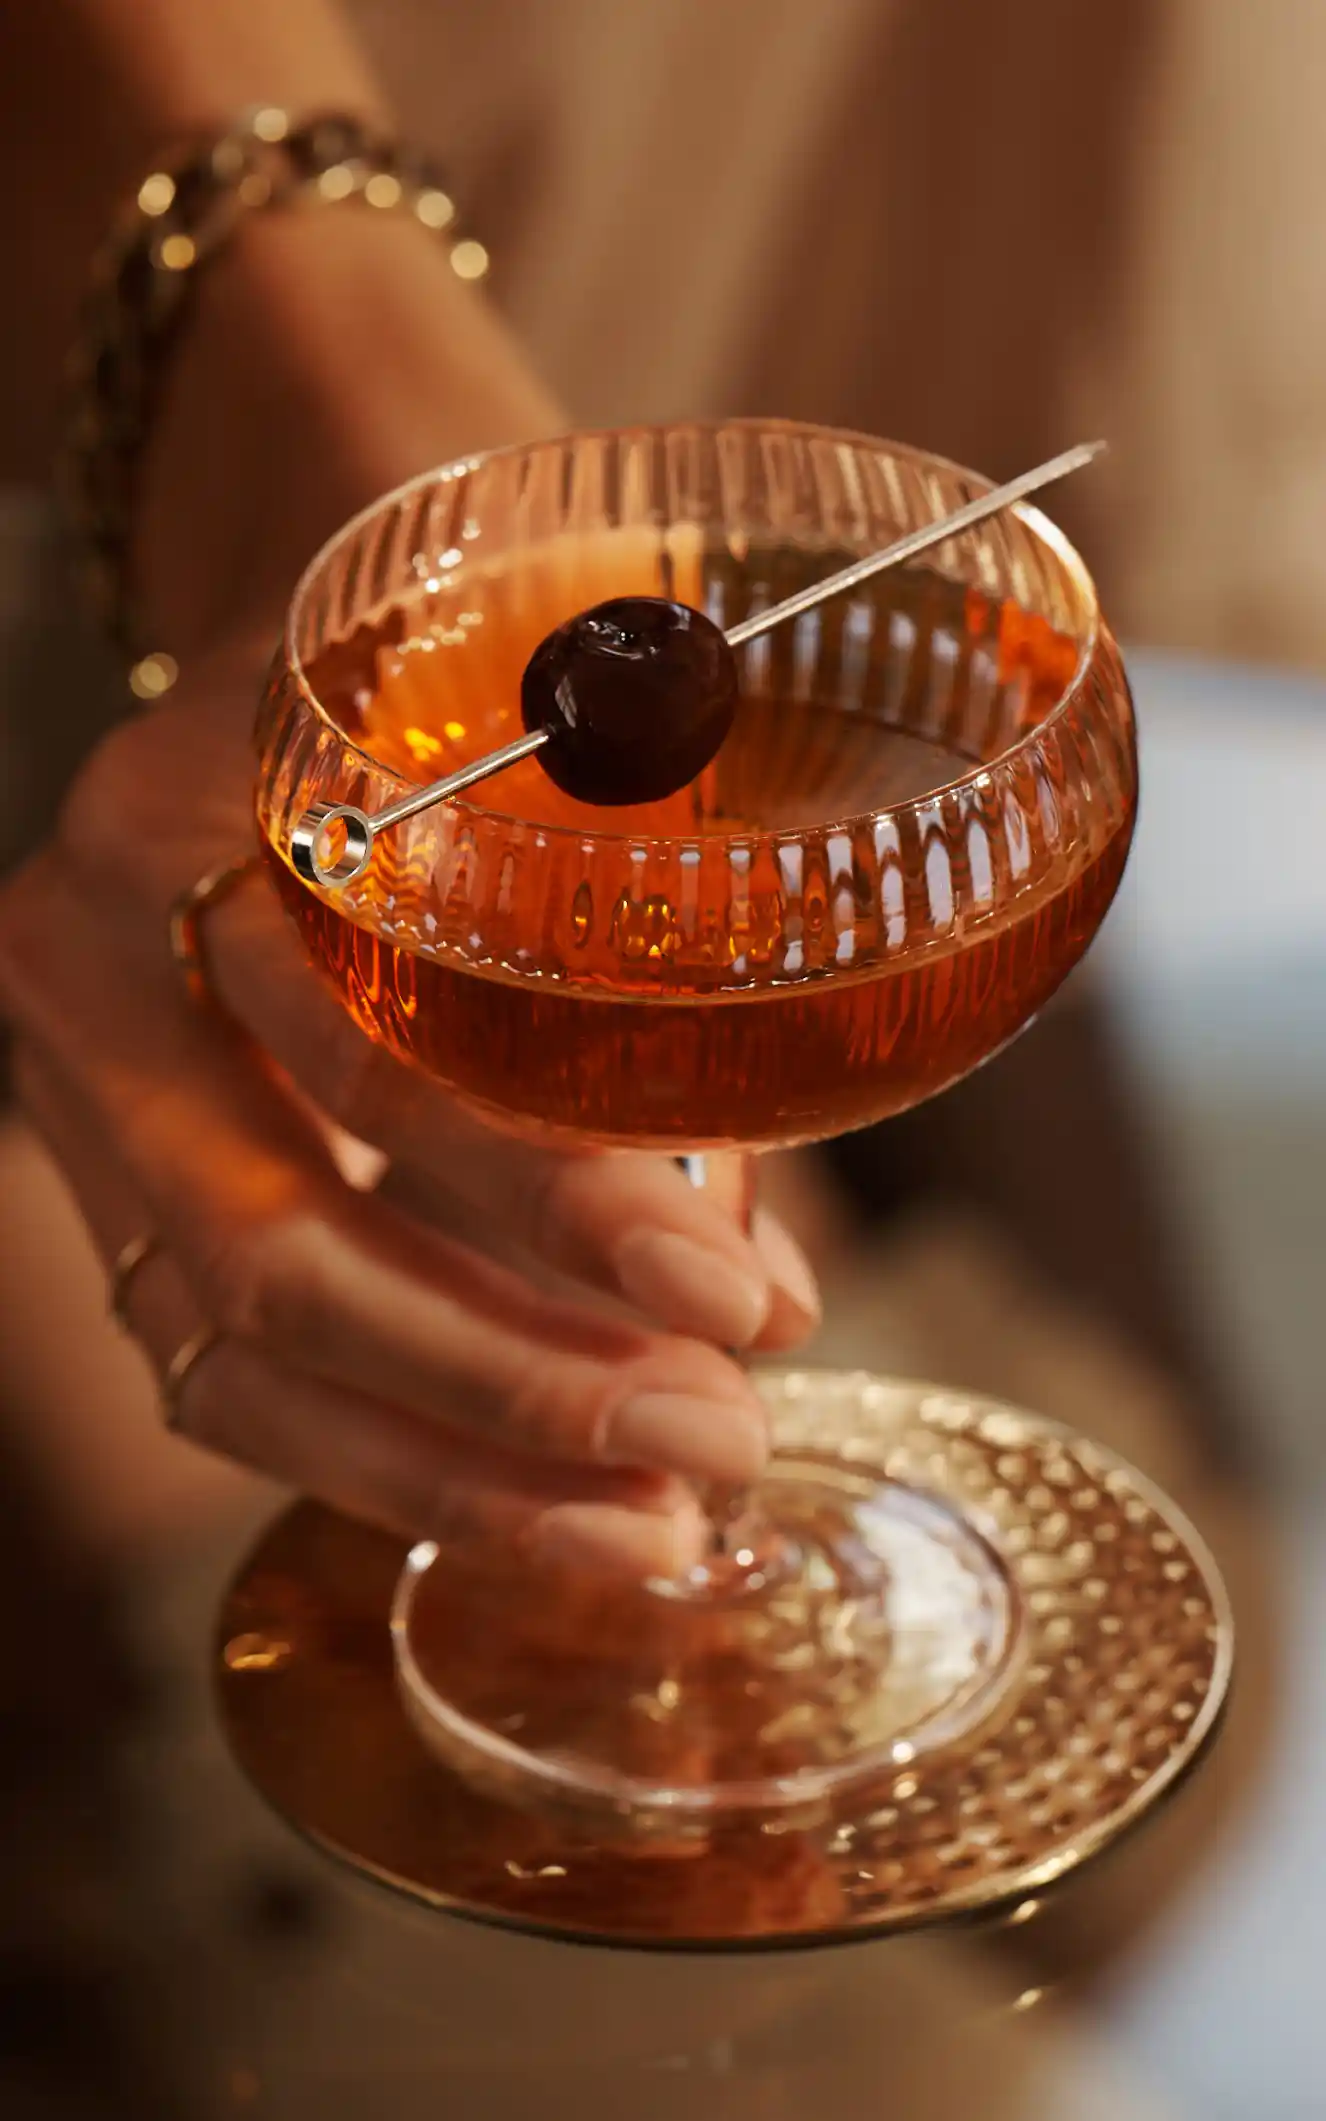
(183, 211)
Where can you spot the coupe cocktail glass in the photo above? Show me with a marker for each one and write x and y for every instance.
(907, 843)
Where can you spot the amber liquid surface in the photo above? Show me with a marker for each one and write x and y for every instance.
(799, 969)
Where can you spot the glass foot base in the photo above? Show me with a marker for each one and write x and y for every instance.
(891, 1633)
(1057, 1647)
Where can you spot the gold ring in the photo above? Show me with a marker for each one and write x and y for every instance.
(128, 1260)
(179, 1370)
(186, 912)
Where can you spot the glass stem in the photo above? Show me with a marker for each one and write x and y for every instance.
(746, 1554)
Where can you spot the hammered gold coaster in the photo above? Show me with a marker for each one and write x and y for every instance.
(1124, 1653)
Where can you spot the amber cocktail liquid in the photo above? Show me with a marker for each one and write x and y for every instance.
(823, 931)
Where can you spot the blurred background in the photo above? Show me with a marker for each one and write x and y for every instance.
(989, 229)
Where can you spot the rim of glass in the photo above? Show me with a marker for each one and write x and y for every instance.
(1040, 525)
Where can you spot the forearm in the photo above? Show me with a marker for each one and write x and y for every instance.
(95, 89)
(331, 355)
(327, 354)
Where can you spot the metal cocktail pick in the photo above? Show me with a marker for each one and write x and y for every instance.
(361, 830)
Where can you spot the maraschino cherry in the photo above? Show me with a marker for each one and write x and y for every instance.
(635, 697)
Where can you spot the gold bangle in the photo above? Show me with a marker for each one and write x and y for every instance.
(180, 1368)
(185, 923)
(183, 211)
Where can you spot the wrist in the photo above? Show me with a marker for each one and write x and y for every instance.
(328, 356)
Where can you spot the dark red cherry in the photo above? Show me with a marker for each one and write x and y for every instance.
(638, 695)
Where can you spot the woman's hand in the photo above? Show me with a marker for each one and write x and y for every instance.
(437, 1383)
(364, 1353)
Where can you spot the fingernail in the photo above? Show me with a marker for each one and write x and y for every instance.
(789, 1270)
(601, 1535)
(700, 1438)
(691, 1288)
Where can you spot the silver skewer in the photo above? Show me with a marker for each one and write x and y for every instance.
(361, 830)
(906, 548)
